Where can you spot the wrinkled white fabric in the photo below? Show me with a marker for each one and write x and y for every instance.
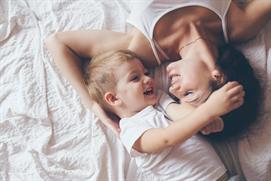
(45, 132)
(255, 148)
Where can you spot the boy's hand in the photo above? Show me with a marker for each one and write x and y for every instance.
(215, 126)
(225, 99)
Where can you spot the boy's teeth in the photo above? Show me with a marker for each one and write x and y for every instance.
(148, 91)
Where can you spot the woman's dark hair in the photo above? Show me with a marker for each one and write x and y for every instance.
(236, 67)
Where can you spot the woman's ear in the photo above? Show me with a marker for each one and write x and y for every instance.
(218, 76)
(111, 99)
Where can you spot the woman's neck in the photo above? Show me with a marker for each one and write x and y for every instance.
(184, 26)
(202, 50)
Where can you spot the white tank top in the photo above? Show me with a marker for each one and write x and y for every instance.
(144, 16)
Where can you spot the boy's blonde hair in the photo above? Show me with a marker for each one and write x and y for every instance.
(100, 74)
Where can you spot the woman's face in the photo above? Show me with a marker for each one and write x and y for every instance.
(191, 80)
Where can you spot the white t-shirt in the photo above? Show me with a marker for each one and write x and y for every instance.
(195, 159)
(145, 14)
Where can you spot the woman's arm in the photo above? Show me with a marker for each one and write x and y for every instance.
(66, 49)
(244, 22)
(224, 100)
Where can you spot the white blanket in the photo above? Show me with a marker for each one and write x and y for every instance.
(45, 132)
(255, 149)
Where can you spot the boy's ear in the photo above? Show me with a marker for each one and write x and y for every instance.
(111, 99)
(218, 76)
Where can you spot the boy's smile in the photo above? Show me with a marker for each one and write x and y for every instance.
(135, 88)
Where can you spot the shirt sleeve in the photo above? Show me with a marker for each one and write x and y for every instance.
(131, 130)
(164, 101)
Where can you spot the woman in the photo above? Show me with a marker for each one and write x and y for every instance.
(165, 31)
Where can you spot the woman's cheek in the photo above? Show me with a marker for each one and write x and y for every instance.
(175, 90)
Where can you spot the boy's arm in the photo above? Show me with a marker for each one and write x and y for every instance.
(215, 126)
(177, 112)
(222, 101)
(246, 21)
(66, 49)
(156, 139)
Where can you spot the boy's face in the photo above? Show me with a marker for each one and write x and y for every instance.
(135, 88)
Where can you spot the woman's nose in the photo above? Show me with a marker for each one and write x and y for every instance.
(169, 67)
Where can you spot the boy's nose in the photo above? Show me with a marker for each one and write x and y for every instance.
(147, 79)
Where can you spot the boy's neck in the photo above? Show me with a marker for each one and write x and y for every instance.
(126, 113)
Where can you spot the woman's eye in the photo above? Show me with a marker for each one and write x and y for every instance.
(190, 97)
(188, 93)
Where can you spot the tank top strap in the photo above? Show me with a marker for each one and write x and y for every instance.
(224, 22)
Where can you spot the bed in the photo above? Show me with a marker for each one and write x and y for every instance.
(45, 131)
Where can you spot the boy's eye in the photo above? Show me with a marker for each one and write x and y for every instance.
(135, 78)
(146, 73)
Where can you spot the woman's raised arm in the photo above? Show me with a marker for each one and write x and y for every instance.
(67, 48)
(244, 22)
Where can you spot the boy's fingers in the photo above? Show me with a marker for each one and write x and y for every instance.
(235, 90)
(237, 98)
(237, 104)
(230, 85)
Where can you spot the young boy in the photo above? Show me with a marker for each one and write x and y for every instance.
(163, 150)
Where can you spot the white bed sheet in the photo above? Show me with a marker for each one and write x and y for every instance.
(45, 132)
(255, 149)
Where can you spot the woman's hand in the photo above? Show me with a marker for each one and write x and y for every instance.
(225, 99)
(215, 126)
(101, 114)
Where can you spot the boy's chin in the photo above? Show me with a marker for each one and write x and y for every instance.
(155, 100)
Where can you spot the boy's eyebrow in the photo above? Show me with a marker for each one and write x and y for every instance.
(131, 73)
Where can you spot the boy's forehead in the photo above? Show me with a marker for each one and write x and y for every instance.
(128, 67)
(138, 62)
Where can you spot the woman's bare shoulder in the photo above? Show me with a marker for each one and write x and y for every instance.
(142, 47)
(246, 20)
